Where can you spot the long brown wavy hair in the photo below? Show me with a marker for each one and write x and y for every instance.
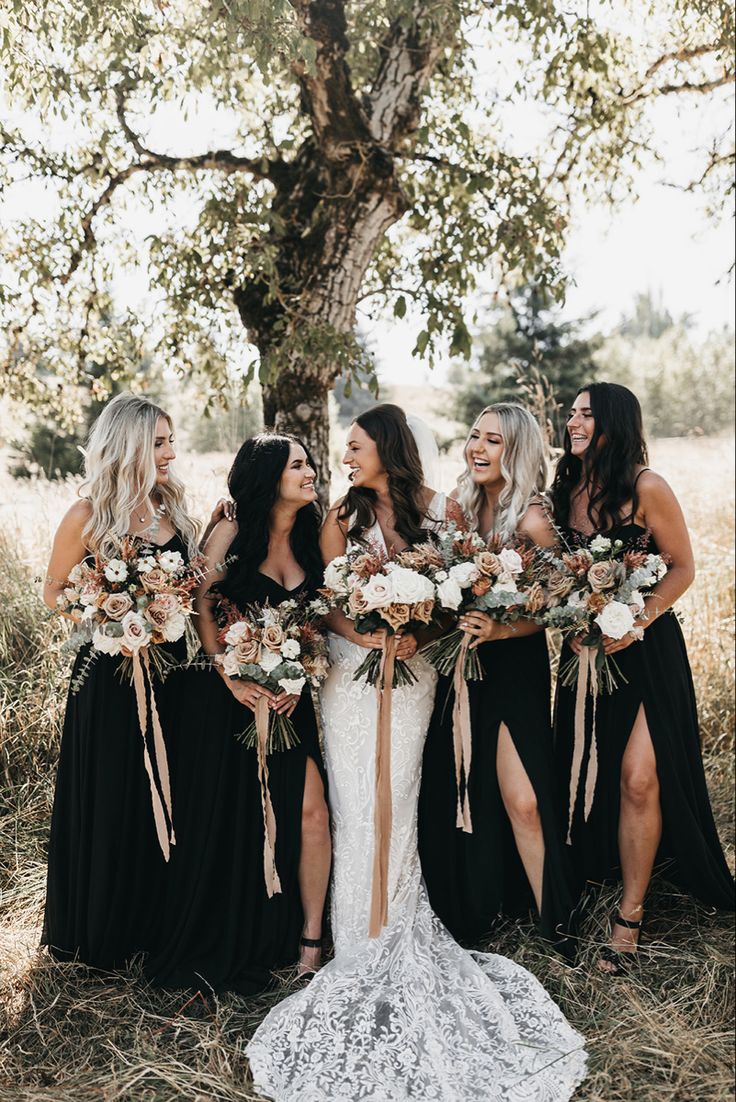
(397, 449)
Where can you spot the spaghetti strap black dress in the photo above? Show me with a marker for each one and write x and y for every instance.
(105, 865)
(473, 879)
(656, 674)
(221, 931)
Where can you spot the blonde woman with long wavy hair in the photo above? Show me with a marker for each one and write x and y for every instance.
(514, 858)
(105, 865)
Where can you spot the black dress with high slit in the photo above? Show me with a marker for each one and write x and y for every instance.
(221, 931)
(105, 865)
(475, 878)
(654, 673)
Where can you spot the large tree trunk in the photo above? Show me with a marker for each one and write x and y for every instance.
(336, 201)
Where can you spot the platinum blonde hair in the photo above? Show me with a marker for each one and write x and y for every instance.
(523, 467)
(120, 470)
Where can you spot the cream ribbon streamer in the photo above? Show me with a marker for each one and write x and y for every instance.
(462, 739)
(587, 681)
(382, 811)
(161, 806)
(270, 873)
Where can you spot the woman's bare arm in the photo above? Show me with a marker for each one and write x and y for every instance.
(68, 549)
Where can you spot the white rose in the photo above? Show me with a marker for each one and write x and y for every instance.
(174, 628)
(334, 576)
(615, 620)
(144, 565)
(510, 561)
(293, 686)
(291, 649)
(107, 644)
(409, 587)
(441, 576)
(378, 592)
(135, 630)
(269, 660)
(171, 561)
(236, 632)
(600, 544)
(465, 573)
(505, 583)
(230, 664)
(116, 571)
(449, 594)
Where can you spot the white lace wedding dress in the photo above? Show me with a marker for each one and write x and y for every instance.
(408, 1015)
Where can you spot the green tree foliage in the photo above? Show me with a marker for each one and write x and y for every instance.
(531, 355)
(370, 158)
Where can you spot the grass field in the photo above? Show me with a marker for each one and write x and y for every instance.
(69, 1035)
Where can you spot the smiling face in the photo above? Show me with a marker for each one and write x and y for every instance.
(484, 450)
(297, 485)
(163, 450)
(362, 459)
(580, 425)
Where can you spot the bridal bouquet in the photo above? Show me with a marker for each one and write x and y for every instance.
(129, 605)
(596, 591)
(398, 594)
(281, 648)
(505, 580)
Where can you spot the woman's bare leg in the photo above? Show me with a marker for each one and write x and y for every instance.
(314, 862)
(520, 802)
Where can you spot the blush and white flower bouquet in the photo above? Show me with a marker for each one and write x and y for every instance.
(131, 603)
(504, 580)
(597, 590)
(281, 647)
(396, 594)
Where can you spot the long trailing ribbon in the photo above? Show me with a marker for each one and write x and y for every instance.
(382, 811)
(587, 681)
(462, 741)
(161, 801)
(271, 876)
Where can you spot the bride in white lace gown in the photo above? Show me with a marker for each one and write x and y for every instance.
(408, 1015)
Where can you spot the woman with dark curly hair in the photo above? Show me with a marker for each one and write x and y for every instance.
(225, 931)
(650, 800)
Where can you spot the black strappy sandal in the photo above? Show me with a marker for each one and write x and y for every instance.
(308, 943)
(621, 961)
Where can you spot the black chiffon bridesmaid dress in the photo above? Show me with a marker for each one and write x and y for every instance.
(655, 673)
(473, 879)
(221, 931)
(105, 867)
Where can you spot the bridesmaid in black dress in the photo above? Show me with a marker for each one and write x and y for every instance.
(651, 801)
(222, 930)
(105, 864)
(514, 858)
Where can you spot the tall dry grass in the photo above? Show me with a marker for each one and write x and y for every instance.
(68, 1034)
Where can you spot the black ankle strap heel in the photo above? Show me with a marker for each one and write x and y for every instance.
(621, 961)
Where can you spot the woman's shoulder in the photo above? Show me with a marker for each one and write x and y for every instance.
(537, 523)
(77, 517)
(221, 536)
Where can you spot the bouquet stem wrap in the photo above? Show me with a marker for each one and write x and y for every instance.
(161, 801)
(271, 876)
(382, 813)
(587, 679)
(461, 731)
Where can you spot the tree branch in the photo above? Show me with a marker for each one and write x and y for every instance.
(686, 53)
(686, 86)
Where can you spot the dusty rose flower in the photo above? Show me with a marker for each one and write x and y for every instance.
(155, 580)
(488, 564)
(422, 611)
(605, 574)
(535, 599)
(357, 603)
(247, 652)
(116, 605)
(135, 634)
(579, 562)
(396, 615)
(156, 614)
(366, 565)
(481, 587)
(420, 557)
(273, 636)
(559, 584)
